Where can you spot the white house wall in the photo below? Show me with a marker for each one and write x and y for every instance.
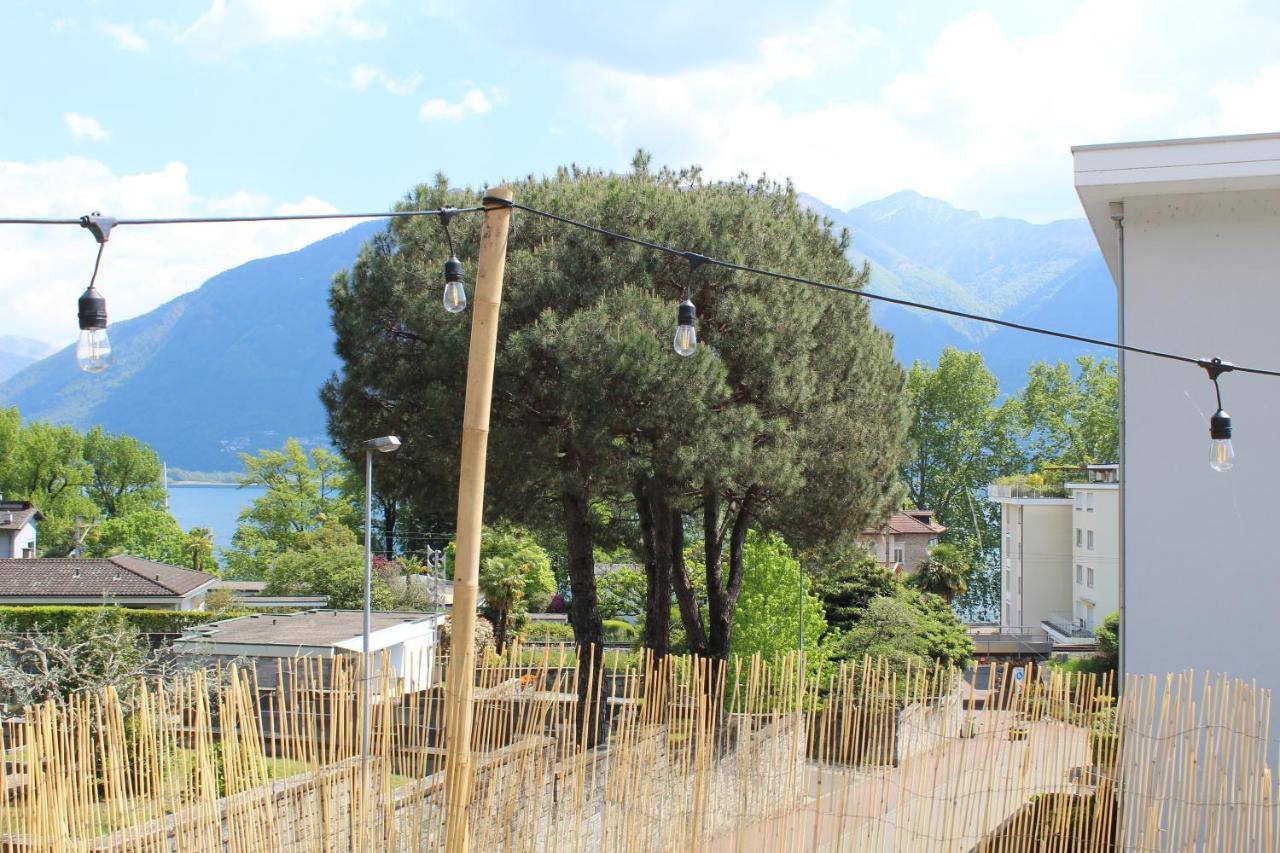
(1201, 586)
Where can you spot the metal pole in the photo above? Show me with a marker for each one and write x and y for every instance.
(460, 680)
(364, 658)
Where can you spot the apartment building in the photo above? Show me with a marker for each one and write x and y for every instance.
(1059, 553)
(1095, 548)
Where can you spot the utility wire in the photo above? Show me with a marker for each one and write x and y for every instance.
(284, 217)
(695, 258)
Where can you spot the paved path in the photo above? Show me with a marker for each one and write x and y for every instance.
(945, 800)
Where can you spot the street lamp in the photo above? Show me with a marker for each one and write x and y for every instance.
(385, 444)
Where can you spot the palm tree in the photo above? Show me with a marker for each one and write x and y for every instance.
(945, 572)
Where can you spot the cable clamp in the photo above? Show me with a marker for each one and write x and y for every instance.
(497, 201)
(1215, 367)
(100, 226)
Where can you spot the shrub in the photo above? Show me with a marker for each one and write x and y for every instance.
(618, 631)
(548, 632)
(55, 617)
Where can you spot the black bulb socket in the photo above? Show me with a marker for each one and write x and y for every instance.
(1220, 426)
(452, 271)
(687, 314)
(93, 309)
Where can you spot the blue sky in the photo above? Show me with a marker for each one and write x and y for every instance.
(252, 106)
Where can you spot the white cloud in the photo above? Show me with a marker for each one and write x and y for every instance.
(231, 24)
(125, 37)
(986, 121)
(474, 102)
(1251, 106)
(364, 76)
(46, 268)
(85, 127)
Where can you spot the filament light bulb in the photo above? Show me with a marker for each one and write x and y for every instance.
(1222, 456)
(455, 295)
(93, 350)
(686, 338)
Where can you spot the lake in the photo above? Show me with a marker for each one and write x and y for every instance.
(216, 507)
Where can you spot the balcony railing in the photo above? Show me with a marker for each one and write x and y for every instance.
(1017, 490)
(1069, 625)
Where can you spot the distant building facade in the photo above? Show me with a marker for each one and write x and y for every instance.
(1059, 553)
(405, 641)
(18, 529)
(123, 580)
(902, 543)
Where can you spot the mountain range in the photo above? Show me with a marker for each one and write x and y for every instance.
(235, 365)
(17, 352)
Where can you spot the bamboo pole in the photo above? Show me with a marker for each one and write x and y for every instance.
(475, 439)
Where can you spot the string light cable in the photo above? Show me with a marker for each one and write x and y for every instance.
(685, 341)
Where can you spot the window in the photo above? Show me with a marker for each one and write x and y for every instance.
(1079, 537)
(1008, 582)
(1019, 584)
(1090, 584)
(1089, 544)
(1008, 543)
(1079, 501)
(1079, 573)
(897, 554)
(1089, 502)
(1006, 614)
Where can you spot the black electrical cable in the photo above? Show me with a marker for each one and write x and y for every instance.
(879, 297)
(284, 217)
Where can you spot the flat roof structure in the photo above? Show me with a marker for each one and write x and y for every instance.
(288, 634)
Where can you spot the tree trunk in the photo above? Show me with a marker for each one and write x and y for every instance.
(656, 531)
(584, 614)
(690, 613)
(722, 593)
(389, 528)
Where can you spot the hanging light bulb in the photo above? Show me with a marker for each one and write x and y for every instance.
(686, 339)
(1222, 455)
(93, 348)
(455, 295)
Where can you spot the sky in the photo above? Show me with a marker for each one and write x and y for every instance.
(224, 107)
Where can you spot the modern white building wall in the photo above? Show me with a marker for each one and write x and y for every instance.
(1035, 549)
(1200, 275)
(1095, 552)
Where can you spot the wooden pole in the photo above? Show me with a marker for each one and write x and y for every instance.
(466, 571)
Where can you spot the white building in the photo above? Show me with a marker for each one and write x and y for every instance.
(406, 641)
(1035, 553)
(18, 529)
(1191, 232)
(1095, 549)
(1059, 554)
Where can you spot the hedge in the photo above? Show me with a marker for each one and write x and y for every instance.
(548, 632)
(56, 616)
(619, 631)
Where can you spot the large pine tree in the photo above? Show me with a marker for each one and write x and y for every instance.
(790, 416)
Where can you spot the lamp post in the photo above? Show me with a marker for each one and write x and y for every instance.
(385, 444)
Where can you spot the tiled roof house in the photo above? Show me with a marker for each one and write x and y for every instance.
(903, 541)
(124, 580)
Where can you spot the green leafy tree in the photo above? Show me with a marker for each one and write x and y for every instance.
(945, 572)
(846, 581)
(1108, 634)
(791, 417)
(149, 533)
(127, 475)
(303, 494)
(197, 548)
(1072, 418)
(45, 464)
(331, 569)
(767, 618)
(514, 570)
(622, 594)
(909, 627)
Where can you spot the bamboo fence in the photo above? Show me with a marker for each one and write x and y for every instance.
(753, 755)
